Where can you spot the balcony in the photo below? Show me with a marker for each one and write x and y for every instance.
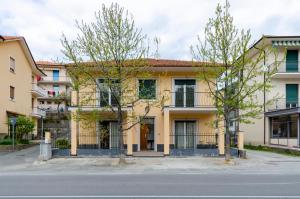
(189, 101)
(38, 112)
(38, 91)
(89, 101)
(282, 104)
(54, 79)
(287, 70)
(282, 107)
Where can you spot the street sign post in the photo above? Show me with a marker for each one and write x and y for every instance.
(13, 122)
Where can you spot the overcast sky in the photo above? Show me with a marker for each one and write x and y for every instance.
(176, 22)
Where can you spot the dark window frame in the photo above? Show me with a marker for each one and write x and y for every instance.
(152, 95)
(12, 92)
(12, 64)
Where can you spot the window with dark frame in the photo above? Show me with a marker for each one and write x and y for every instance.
(12, 64)
(147, 89)
(12, 92)
(284, 126)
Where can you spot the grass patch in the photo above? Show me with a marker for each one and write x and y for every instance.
(273, 149)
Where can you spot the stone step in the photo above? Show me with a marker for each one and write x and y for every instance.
(148, 154)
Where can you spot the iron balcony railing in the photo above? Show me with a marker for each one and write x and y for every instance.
(180, 99)
(169, 99)
(180, 140)
(282, 103)
(287, 66)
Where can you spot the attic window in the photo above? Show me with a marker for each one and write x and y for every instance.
(12, 64)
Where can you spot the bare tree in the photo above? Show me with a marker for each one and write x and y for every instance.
(234, 81)
(108, 56)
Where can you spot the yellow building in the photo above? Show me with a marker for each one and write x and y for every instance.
(18, 73)
(181, 124)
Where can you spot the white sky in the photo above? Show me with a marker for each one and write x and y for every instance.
(176, 22)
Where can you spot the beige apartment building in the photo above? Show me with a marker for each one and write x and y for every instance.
(19, 87)
(279, 124)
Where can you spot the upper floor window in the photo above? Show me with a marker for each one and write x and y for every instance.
(292, 61)
(108, 93)
(12, 92)
(12, 64)
(55, 75)
(147, 89)
(184, 92)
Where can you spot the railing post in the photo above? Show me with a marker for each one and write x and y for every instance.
(166, 132)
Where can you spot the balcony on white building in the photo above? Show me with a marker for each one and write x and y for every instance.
(38, 91)
(38, 112)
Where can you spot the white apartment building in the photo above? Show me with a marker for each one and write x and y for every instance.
(279, 124)
(57, 85)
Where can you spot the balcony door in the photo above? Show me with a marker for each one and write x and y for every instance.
(291, 95)
(185, 132)
(185, 93)
(107, 96)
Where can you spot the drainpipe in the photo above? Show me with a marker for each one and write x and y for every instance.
(264, 94)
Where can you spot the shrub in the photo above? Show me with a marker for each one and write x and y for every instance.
(6, 141)
(23, 141)
(62, 144)
(24, 126)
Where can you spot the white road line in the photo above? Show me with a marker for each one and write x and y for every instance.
(141, 196)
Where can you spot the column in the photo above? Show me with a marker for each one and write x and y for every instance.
(221, 142)
(166, 132)
(241, 141)
(74, 133)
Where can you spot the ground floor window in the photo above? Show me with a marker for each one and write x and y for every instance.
(184, 137)
(284, 126)
(108, 135)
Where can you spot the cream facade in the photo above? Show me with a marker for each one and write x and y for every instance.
(279, 124)
(57, 83)
(181, 124)
(19, 87)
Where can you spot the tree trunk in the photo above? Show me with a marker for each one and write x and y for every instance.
(121, 131)
(227, 140)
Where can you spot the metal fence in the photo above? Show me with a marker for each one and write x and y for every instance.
(101, 141)
(194, 141)
(190, 99)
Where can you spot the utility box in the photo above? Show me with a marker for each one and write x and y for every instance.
(45, 147)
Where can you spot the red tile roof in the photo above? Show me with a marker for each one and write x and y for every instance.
(173, 63)
(47, 63)
(11, 37)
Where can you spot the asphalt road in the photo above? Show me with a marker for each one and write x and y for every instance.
(149, 186)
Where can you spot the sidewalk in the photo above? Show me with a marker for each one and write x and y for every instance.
(26, 161)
